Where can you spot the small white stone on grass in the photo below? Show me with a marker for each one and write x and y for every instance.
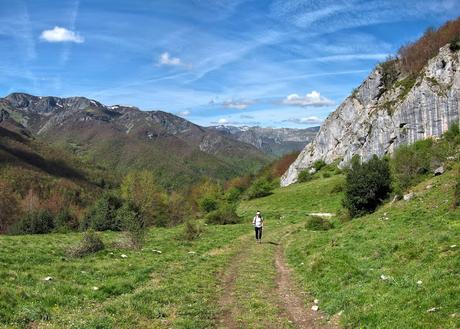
(48, 278)
(384, 277)
(419, 282)
(191, 252)
(316, 301)
(95, 288)
(433, 309)
(157, 251)
(124, 256)
(453, 246)
(315, 308)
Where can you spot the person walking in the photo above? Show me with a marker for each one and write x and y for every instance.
(258, 222)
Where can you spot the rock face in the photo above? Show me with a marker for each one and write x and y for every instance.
(276, 141)
(374, 120)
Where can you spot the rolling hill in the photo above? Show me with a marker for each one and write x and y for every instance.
(124, 138)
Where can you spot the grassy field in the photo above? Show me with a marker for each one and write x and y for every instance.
(175, 289)
(396, 268)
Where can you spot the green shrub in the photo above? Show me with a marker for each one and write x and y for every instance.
(337, 188)
(389, 72)
(208, 204)
(410, 163)
(103, 214)
(260, 188)
(319, 164)
(232, 195)
(90, 244)
(304, 176)
(367, 185)
(132, 223)
(454, 44)
(327, 175)
(457, 191)
(224, 215)
(316, 223)
(192, 230)
(452, 135)
(65, 221)
(37, 222)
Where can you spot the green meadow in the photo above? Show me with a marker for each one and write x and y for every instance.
(396, 268)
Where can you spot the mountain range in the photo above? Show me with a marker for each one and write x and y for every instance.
(276, 141)
(123, 138)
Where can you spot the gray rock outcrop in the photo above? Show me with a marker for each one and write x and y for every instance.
(376, 121)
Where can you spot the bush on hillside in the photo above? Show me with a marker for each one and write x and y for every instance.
(367, 185)
(36, 222)
(9, 207)
(65, 221)
(192, 230)
(456, 202)
(319, 164)
(179, 209)
(260, 188)
(389, 72)
(452, 135)
(142, 189)
(208, 204)
(223, 216)
(411, 162)
(454, 44)
(102, 215)
(89, 244)
(132, 223)
(316, 223)
(304, 176)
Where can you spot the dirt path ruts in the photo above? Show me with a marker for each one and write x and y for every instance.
(227, 301)
(292, 302)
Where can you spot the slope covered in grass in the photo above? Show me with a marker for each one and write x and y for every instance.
(396, 268)
(175, 289)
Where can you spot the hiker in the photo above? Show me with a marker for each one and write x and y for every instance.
(258, 223)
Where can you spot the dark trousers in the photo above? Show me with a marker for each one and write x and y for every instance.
(258, 233)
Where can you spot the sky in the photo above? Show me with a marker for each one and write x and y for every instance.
(274, 63)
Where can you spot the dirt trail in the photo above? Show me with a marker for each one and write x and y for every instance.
(227, 300)
(292, 302)
(286, 297)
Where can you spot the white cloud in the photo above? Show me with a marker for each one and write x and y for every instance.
(223, 121)
(245, 116)
(234, 104)
(166, 59)
(305, 121)
(61, 34)
(311, 99)
(184, 113)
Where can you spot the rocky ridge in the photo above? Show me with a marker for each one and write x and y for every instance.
(276, 141)
(376, 119)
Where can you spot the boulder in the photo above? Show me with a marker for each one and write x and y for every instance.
(409, 196)
(439, 171)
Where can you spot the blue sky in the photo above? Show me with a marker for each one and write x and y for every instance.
(280, 63)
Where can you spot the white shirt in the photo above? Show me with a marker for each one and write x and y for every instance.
(258, 221)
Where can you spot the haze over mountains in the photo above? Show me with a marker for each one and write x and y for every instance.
(277, 141)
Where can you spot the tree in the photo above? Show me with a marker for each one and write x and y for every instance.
(103, 214)
(9, 207)
(141, 189)
(367, 185)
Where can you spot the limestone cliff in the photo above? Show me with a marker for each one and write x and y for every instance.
(376, 118)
